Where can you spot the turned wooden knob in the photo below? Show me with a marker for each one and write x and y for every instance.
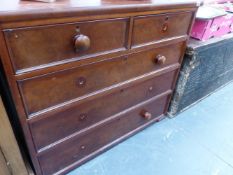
(81, 43)
(82, 117)
(146, 115)
(164, 27)
(81, 82)
(160, 59)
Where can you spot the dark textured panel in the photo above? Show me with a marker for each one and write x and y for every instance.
(206, 67)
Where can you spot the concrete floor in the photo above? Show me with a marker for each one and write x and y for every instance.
(199, 141)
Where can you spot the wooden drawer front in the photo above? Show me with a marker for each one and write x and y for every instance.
(62, 123)
(36, 46)
(78, 148)
(49, 90)
(157, 27)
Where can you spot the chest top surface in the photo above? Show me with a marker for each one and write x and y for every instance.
(13, 10)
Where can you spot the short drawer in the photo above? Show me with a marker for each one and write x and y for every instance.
(42, 45)
(157, 27)
(80, 147)
(61, 123)
(49, 90)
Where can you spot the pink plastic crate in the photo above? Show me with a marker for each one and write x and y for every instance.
(231, 27)
(216, 1)
(206, 29)
(222, 1)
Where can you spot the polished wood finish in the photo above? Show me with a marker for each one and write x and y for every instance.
(49, 128)
(29, 47)
(56, 88)
(147, 115)
(160, 59)
(81, 42)
(157, 27)
(87, 144)
(15, 10)
(85, 76)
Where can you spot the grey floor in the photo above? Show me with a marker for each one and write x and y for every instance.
(199, 141)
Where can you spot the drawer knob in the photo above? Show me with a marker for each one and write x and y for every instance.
(150, 88)
(82, 147)
(81, 82)
(82, 117)
(146, 115)
(164, 27)
(81, 42)
(160, 59)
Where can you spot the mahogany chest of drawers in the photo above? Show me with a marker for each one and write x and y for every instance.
(85, 76)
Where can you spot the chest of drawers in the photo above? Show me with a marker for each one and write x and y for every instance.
(85, 76)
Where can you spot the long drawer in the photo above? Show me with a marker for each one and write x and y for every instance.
(38, 46)
(52, 89)
(63, 122)
(83, 146)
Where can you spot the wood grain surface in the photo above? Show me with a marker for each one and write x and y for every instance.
(9, 150)
(94, 61)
